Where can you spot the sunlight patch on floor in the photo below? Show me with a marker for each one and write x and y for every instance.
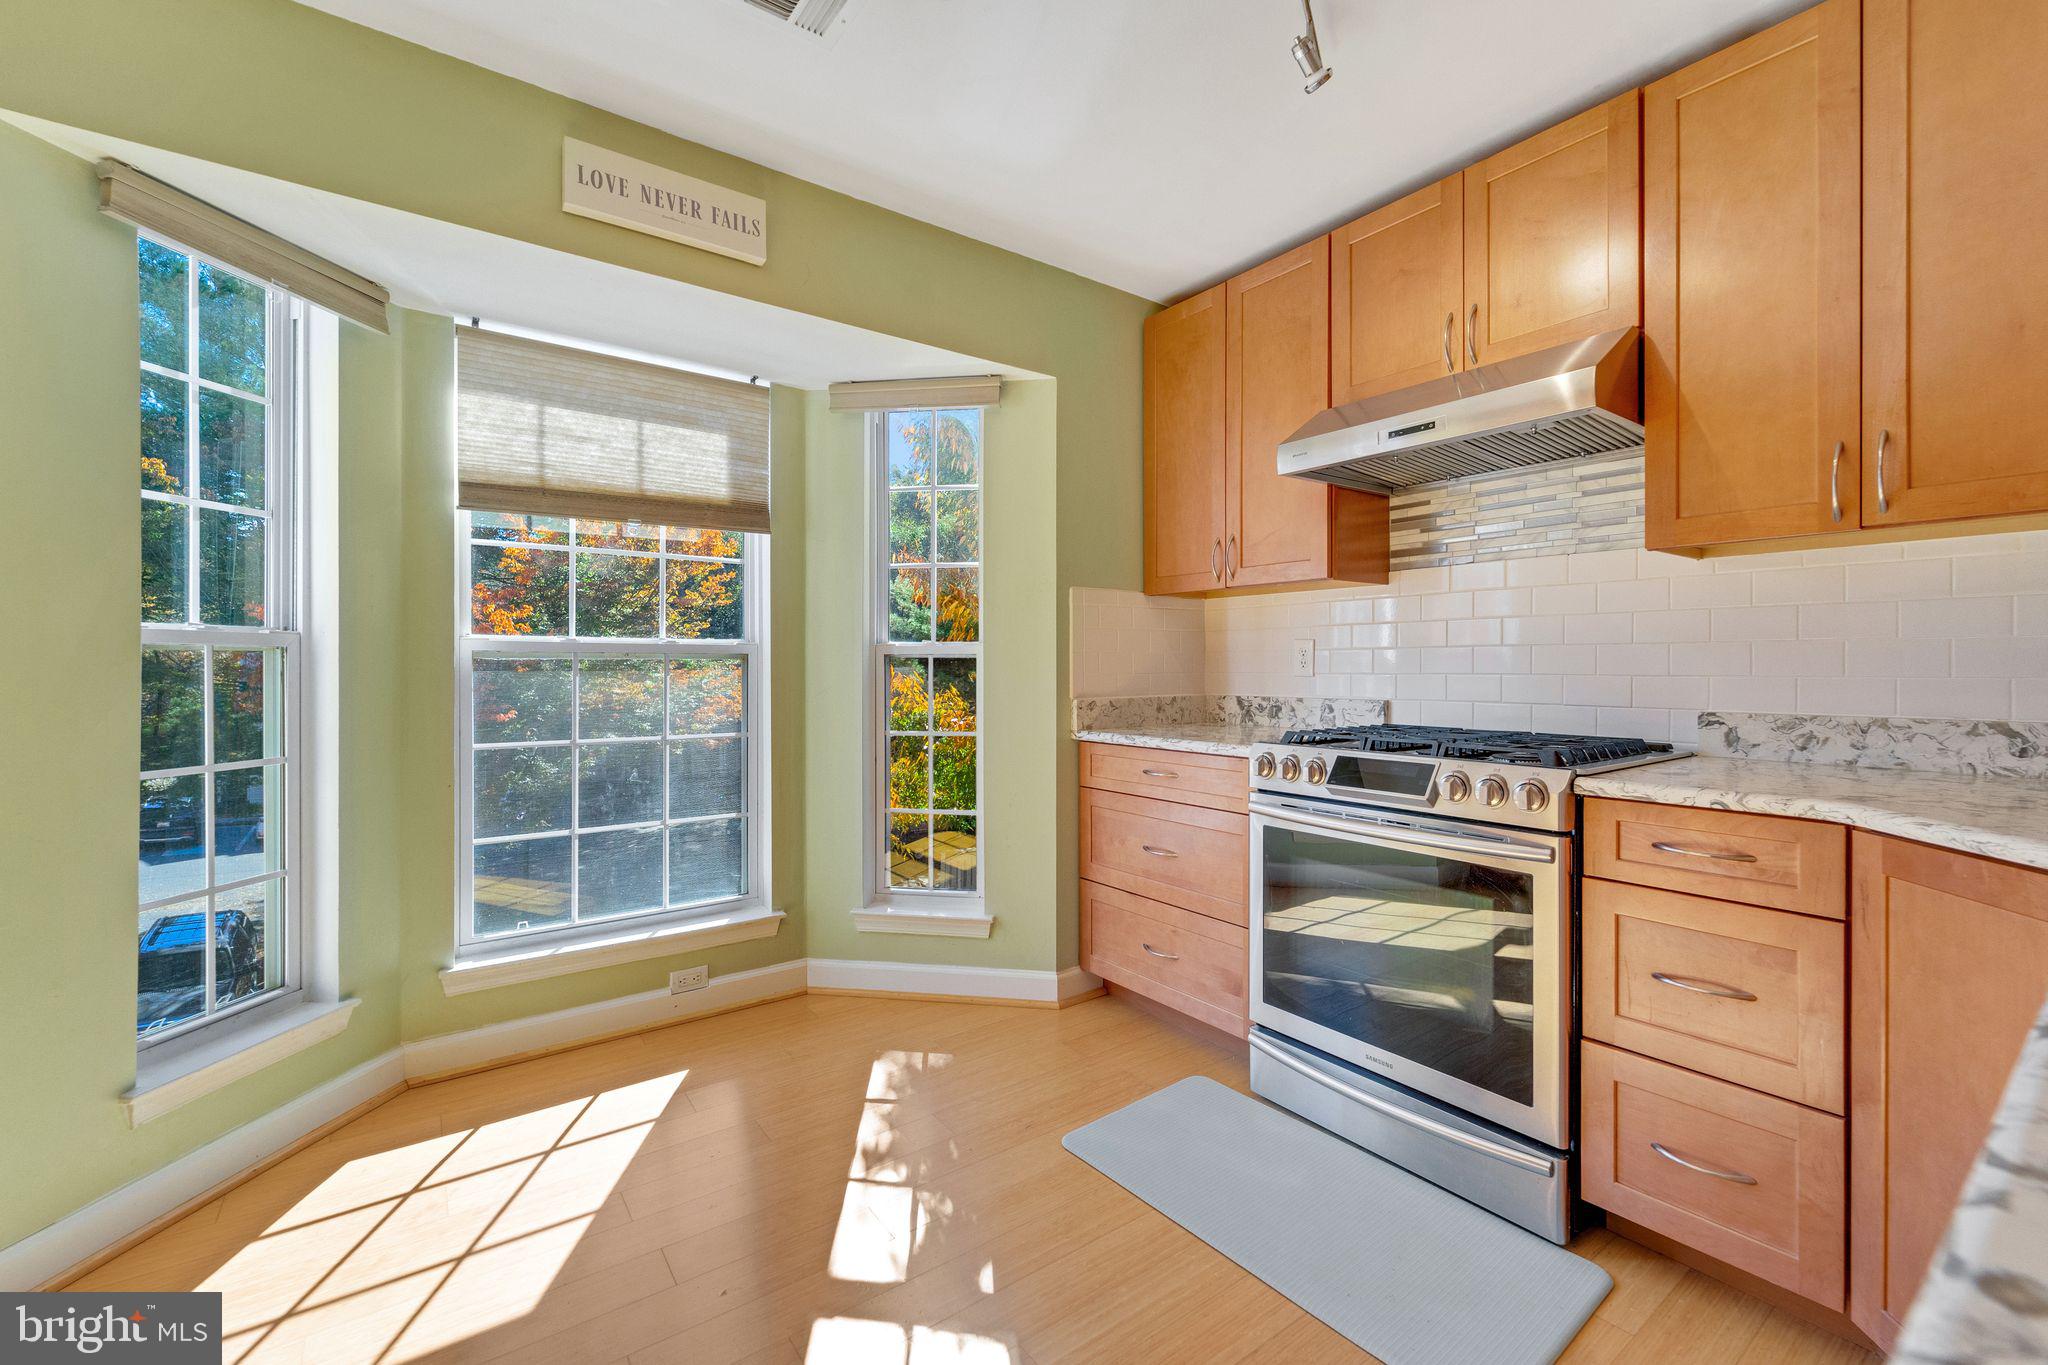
(356, 1268)
(858, 1341)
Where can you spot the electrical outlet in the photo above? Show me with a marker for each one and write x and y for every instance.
(688, 979)
(1304, 658)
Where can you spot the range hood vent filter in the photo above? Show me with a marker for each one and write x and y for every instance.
(1568, 438)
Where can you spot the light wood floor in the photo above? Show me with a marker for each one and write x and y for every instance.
(820, 1179)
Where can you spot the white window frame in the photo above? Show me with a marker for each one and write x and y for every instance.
(754, 805)
(286, 368)
(898, 909)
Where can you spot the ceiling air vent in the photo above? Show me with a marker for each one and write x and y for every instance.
(812, 16)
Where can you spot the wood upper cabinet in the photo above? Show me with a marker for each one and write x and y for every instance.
(1397, 294)
(1553, 236)
(1184, 462)
(1955, 279)
(1948, 964)
(1750, 308)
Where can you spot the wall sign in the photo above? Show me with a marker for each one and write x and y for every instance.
(646, 198)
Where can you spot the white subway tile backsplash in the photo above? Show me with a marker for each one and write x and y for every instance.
(1628, 720)
(1805, 584)
(1614, 638)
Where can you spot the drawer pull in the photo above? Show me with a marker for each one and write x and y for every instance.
(1715, 854)
(1159, 852)
(1170, 957)
(1693, 983)
(1159, 772)
(1734, 1177)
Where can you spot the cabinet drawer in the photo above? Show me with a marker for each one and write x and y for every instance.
(1755, 1181)
(1184, 855)
(1765, 860)
(1752, 996)
(1214, 780)
(1193, 963)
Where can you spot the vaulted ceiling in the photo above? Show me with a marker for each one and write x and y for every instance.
(1154, 145)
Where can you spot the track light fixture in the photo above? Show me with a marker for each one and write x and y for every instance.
(1308, 53)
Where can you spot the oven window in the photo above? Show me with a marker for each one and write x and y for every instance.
(1423, 956)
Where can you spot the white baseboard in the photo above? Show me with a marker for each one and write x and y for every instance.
(111, 1217)
(917, 978)
(538, 1033)
(105, 1221)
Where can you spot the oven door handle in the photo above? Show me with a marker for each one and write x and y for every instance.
(1536, 1165)
(1516, 849)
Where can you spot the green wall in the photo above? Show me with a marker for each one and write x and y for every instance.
(287, 91)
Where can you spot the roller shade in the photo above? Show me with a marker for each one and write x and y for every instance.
(880, 395)
(150, 204)
(552, 430)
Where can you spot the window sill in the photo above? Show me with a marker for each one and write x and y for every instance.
(168, 1077)
(510, 965)
(968, 921)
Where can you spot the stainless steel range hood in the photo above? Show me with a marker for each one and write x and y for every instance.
(1563, 403)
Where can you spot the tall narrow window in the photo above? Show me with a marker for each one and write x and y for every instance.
(610, 672)
(220, 609)
(928, 649)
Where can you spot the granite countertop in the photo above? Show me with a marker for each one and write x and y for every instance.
(1191, 737)
(1999, 817)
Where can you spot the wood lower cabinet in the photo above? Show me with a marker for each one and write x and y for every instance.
(1948, 967)
(1553, 235)
(1750, 1179)
(1955, 278)
(1397, 294)
(1184, 466)
(1165, 878)
(1764, 860)
(1751, 221)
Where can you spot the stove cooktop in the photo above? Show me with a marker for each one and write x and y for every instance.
(1526, 748)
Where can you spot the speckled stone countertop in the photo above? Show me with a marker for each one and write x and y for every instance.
(1986, 1295)
(1998, 817)
(1190, 737)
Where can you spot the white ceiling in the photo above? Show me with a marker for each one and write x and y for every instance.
(1155, 145)
(443, 268)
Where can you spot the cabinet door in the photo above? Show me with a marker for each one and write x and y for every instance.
(1278, 362)
(1184, 463)
(1948, 964)
(1397, 294)
(1955, 282)
(1553, 236)
(1751, 227)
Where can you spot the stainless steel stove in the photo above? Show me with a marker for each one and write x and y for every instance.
(1412, 951)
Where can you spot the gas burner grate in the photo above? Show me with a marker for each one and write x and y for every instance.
(1489, 746)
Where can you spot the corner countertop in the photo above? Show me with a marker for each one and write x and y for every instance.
(1190, 737)
(1998, 817)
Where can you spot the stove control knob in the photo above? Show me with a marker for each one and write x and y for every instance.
(1290, 768)
(1262, 766)
(1456, 786)
(1531, 796)
(1493, 791)
(1317, 770)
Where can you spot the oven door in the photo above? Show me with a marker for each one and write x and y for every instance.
(1430, 952)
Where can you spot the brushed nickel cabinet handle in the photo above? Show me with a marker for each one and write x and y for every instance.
(1230, 564)
(1159, 852)
(1693, 983)
(1159, 772)
(1216, 560)
(1450, 321)
(1734, 1177)
(1884, 439)
(1472, 334)
(1170, 957)
(1835, 480)
(1715, 854)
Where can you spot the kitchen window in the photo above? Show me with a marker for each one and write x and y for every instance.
(219, 898)
(927, 598)
(610, 673)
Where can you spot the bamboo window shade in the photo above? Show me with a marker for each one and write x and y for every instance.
(542, 429)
